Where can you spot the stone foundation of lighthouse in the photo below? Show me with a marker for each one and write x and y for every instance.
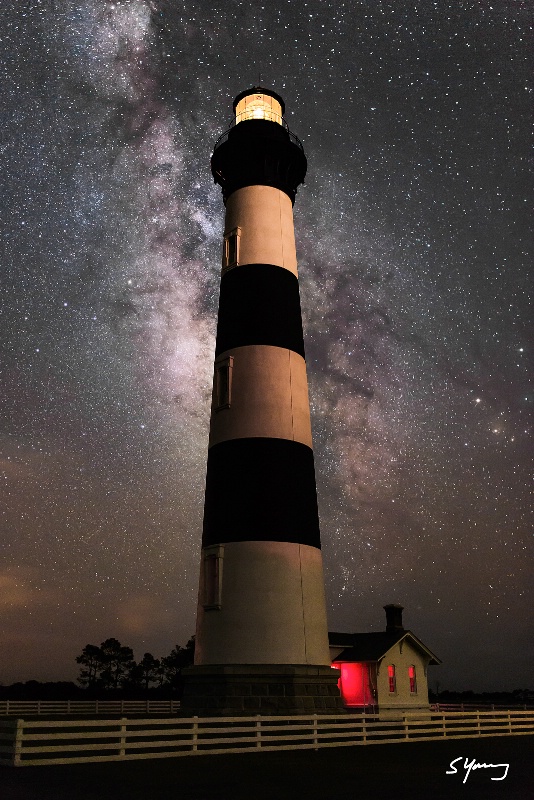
(243, 689)
(261, 641)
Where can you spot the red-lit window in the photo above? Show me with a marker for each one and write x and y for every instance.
(391, 678)
(413, 682)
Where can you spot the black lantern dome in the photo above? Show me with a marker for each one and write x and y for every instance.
(259, 148)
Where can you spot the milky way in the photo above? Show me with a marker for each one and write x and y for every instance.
(413, 238)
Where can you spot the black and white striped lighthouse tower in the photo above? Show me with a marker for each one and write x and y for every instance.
(262, 642)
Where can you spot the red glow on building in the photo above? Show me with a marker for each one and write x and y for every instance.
(413, 682)
(354, 684)
(391, 678)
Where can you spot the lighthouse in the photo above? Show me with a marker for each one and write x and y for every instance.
(261, 639)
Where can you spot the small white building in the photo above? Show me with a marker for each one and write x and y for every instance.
(385, 670)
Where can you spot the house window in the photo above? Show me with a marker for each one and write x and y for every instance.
(231, 249)
(223, 383)
(212, 577)
(392, 679)
(413, 682)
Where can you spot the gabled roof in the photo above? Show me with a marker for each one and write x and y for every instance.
(374, 646)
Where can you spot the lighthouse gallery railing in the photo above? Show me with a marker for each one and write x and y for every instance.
(293, 137)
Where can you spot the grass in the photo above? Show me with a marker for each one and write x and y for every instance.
(381, 772)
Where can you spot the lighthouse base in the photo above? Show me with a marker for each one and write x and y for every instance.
(246, 689)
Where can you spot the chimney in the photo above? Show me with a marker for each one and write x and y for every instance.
(393, 618)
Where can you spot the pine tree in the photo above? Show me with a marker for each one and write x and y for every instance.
(92, 661)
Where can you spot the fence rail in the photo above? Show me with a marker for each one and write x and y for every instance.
(481, 706)
(32, 742)
(15, 708)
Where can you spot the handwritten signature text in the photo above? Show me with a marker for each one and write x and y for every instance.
(473, 765)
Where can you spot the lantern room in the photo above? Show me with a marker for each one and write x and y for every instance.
(263, 152)
(259, 103)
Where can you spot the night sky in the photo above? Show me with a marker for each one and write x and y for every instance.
(413, 237)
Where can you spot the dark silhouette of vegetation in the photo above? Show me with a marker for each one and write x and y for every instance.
(90, 658)
(35, 690)
(109, 672)
(173, 664)
(149, 670)
(111, 668)
(117, 663)
(499, 698)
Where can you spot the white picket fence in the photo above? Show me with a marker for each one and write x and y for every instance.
(16, 708)
(22, 708)
(32, 742)
(481, 706)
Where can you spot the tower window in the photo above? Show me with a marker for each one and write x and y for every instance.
(212, 577)
(231, 249)
(223, 383)
(413, 682)
(391, 678)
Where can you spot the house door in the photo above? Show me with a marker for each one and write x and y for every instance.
(354, 684)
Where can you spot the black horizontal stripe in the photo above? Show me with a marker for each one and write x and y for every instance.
(259, 304)
(260, 490)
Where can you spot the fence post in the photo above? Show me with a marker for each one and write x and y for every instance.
(38, 706)
(443, 725)
(96, 706)
(7, 708)
(364, 729)
(509, 723)
(406, 730)
(122, 748)
(17, 742)
(315, 737)
(195, 733)
(258, 730)
(479, 732)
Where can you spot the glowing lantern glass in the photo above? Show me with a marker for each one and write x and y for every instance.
(258, 106)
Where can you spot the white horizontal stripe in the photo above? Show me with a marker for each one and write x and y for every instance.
(272, 607)
(269, 396)
(264, 216)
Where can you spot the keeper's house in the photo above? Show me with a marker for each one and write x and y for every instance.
(386, 669)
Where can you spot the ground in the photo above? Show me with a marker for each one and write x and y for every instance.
(374, 772)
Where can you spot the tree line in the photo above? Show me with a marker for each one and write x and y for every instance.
(112, 667)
